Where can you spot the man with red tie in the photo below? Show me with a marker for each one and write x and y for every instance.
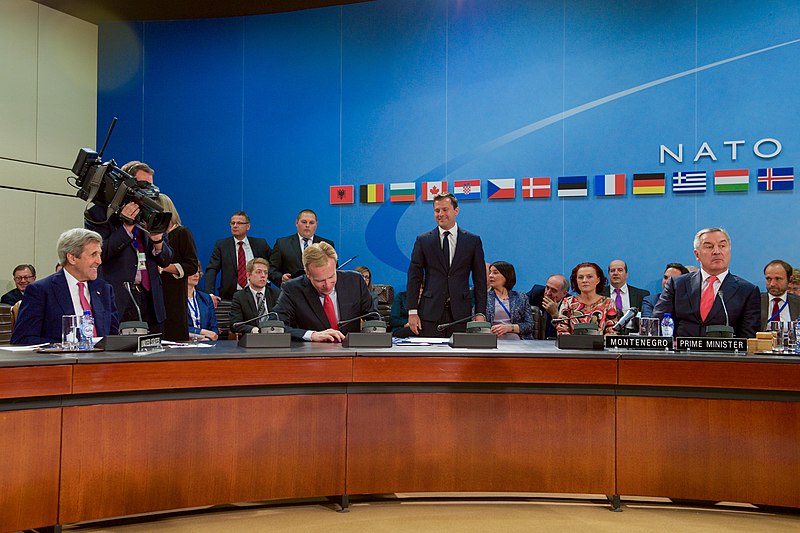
(314, 305)
(70, 291)
(712, 295)
(777, 303)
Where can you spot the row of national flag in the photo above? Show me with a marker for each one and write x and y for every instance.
(683, 182)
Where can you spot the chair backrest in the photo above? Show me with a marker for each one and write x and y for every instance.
(385, 293)
(539, 325)
(224, 318)
(6, 325)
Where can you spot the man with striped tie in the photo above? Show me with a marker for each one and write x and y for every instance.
(255, 300)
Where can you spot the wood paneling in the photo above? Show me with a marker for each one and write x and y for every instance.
(484, 370)
(156, 375)
(29, 457)
(131, 458)
(723, 374)
(725, 450)
(480, 442)
(29, 381)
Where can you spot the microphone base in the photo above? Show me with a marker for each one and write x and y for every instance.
(135, 327)
(725, 332)
(473, 340)
(367, 340)
(580, 342)
(265, 340)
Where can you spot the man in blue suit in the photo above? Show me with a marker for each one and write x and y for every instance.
(443, 259)
(68, 292)
(712, 295)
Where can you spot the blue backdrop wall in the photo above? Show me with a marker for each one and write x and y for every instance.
(266, 113)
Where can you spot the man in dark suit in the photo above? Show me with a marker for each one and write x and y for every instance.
(70, 291)
(624, 296)
(255, 300)
(313, 305)
(777, 303)
(649, 302)
(230, 256)
(548, 298)
(24, 275)
(286, 258)
(443, 259)
(694, 300)
(132, 255)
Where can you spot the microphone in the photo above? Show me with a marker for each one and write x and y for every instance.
(346, 262)
(627, 317)
(724, 308)
(348, 321)
(442, 327)
(128, 288)
(254, 319)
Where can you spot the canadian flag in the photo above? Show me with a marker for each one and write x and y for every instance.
(432, 188)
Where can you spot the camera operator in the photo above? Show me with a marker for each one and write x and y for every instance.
(131, 254)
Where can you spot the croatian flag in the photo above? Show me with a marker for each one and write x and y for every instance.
(776, 179)
(467, 189)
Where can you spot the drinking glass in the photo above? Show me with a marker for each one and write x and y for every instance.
(69, 332)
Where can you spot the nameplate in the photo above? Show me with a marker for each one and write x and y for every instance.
(638, 343)
(711, 344)
(148, 343)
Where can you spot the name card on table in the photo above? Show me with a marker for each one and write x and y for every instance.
(638, 343)
(711, 344)
(149, 343)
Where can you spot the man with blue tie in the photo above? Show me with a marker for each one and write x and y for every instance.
(443, 260)
(70, 291)
(712, 295)
(286, 258)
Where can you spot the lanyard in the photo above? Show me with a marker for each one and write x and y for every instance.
(503, 305)
(194, 311)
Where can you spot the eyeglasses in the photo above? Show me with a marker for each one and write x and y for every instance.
(237, 223)
(23, 278)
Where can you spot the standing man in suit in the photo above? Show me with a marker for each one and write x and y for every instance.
(695, 300)
(70, 291)
(548, 299)
(313, 305)
(443, 259)
(777, 303)
(649, 303)
(286, 259)
(256, 299)
(623, 295)
(230, 257)
(132, 255)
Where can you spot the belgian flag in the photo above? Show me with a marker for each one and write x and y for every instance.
(372, 193)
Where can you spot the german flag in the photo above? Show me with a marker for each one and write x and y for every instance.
(372, 193)
(648, 183)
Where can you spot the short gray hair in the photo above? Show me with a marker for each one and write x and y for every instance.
(564, 281)
(72, 242)
(709, 230)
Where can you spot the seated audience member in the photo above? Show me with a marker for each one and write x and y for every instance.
(202, 316)
(313, 305)
(672, 270)
(367, 275)
(694, 300)
(623, 295)
(777, 303)
(59, 266)
(69, 292)
(507, 311)
(548, 298)
(794, 282)
(587, 305)
(255, 300)
(23, 276)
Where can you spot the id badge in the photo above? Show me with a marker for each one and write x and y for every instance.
(141, 261)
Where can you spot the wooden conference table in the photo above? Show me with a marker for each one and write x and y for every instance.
(112, 434)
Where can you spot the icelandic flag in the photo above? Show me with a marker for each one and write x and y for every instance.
(504, 188)
(609, 185)
(776, 179)
(467, 189)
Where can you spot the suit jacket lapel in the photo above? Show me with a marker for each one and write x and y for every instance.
(729, 288)
(62, 294)
(312, 297)
(695, 288)
(436, 246)
(98, 308)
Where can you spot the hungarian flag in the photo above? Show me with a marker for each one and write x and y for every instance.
(341, 194)
(776, 179)
(402, 192)
(536, 187)
(737, 180)
(609, 185)
(432, 188)
(467, 189)
(504, 188)
(649, 183)
(572, 186)
(372, 193)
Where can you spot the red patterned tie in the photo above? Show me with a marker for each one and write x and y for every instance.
(85, 302)
(330, 312)
(242, 267)
(776, 309)
(707, 299)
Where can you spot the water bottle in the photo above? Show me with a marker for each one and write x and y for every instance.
(667, 325)
(797, 337)
(86, 331)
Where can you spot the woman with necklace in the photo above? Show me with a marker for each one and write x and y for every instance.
(508, 311)
(587, 305)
